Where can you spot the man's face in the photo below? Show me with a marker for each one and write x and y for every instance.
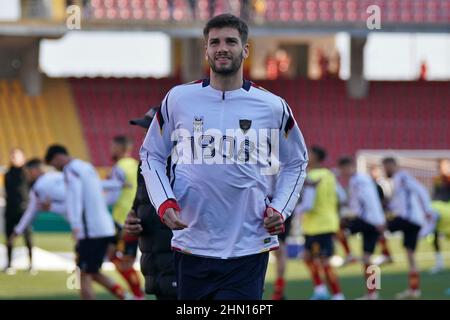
(33, 173)
(390, 169)
(444, 167)
(375, 172)
(116, 151)
(17, 158)
(347, 170)
(225, 51)
(58, 162)
(312, 158)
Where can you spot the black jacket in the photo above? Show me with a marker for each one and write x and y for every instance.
(157, 263)
(16, 188)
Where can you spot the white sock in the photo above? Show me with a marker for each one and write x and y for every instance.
(439, 259)
(321, 289)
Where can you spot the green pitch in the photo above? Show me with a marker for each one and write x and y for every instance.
(56, 284)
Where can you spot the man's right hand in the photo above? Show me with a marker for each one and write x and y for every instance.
(172, 219)
(132, 224)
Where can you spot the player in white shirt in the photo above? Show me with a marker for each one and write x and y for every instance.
(46, 193)
(369, 219)
(411, 207)
(91, 223)
(218, 133)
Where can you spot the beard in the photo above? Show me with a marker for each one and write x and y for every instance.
(226, 70)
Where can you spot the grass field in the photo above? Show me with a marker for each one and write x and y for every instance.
(52, 284)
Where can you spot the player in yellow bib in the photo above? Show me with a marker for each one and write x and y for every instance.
(121, 187)
(442, 209)
(320, 222)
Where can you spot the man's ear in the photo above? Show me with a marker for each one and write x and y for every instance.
(246, 51)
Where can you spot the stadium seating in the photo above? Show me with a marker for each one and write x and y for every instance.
(106, 105)
(406, 11)
(32, 123)
(100, 109)
(417, 113)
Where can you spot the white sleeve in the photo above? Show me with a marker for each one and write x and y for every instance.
(111, 185)
(308, 199)
(293, 158)
(342, 195)
(116, 181)
(154, 152)
(29, 214)
(74, 199)
(415, 186)
(58, 207)
(370, 201)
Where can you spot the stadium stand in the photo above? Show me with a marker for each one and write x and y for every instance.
(32, 123)
(328, 117)
(406, 11)
(106, 105)
(100, 109)
(396, 115)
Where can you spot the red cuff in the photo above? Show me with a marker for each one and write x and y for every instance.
(169, 203)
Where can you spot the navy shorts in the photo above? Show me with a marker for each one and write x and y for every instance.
(90, 253)
(287, 229)
(369, 233)
(201, 278)
(320, 245)
(410, 231)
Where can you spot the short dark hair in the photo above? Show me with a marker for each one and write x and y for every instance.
(123, 141)
(345, 161)
(389, 160)
(53, 151)
(33, 163)
(227, 20)
(320, 153)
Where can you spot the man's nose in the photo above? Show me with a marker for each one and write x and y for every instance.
(223, 47)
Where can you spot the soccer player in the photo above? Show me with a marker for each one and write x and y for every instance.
(221, 133)
(341, 235)
(386, 256)
(411, 207)
(441, 193)
(320, 222)
(16, 191)
(47, 192)
(121, 187)
(369, 220)
(91, 223)
(442, 228)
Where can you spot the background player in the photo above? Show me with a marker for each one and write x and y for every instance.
(47, 193)
(16, 188)
(122, 186)
(91, 223)
(157, 262)
(441, 192)
(411, 207)
(320, 222)
(369, 220)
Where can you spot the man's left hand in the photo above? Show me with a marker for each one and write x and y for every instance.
(273, 222)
